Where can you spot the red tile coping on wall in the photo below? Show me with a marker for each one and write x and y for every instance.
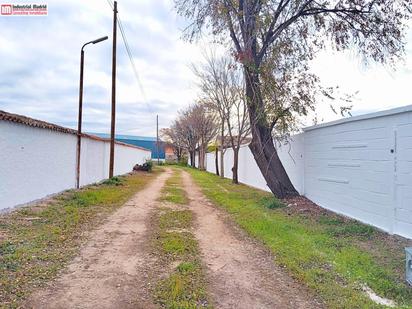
(5, 116)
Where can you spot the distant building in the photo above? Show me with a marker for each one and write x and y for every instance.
(170, 153)
(141, 141)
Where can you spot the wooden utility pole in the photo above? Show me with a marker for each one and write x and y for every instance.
(113, 122)
(157, 139)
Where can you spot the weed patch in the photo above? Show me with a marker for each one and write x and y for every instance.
(114, 181)
(173, 192)
(271, 202)
(183, 289)
(184, 285)
(179, 219)
(177, 244)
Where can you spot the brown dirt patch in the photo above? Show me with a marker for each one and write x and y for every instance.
(301, 205)
(241, 273)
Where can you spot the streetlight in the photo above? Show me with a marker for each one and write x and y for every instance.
(79, 129)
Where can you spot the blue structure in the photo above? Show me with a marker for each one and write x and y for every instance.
(141, 141)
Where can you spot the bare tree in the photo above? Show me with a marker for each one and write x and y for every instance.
(195, 128)
(205, 127)
(174, 137)
(238, 125)
(222, 85)
(221, 139)
(185, 127)
(275, 39)
(212, 94)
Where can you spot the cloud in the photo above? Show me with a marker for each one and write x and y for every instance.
(41, 74)
(40, 67)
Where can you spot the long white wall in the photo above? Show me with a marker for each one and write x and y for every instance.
(360, 167)
(290, 153)
(36, 162)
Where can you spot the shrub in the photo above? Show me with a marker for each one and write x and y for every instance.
(149, 164)
(146, 167)
(114, 181)
(271, 202)
(182, 161)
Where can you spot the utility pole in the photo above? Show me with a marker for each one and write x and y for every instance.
(113, 122)
(157, 138)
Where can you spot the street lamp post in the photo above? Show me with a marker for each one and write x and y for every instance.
(79, 129)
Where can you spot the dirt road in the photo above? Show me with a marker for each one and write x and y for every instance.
(110, 271)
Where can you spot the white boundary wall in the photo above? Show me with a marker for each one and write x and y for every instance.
(37, 162)
(360, 167)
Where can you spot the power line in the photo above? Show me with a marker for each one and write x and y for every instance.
(130, 55)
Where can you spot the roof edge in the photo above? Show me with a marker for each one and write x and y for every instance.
(388, 112)
(31, 122)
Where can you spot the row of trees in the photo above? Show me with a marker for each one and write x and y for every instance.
(219, 116)
(192, 132)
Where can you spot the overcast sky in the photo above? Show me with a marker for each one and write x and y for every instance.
(39, 67)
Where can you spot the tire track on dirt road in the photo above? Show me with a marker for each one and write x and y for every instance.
(240, 273)
(110, 270)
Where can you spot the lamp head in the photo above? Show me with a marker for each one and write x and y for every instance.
(100, 40)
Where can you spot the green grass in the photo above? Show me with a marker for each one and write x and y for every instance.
(184, 286)
(117, 181)
(39, 240)
(271, 202)
(177, 244)
(172, 191)
(332, 256)
(180, 219)
(183, 289)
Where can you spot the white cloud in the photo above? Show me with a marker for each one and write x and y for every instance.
(40, 67)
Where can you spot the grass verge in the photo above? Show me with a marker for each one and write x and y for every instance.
(183, 286)
(332, 255)
(172, 191)
(37, 241)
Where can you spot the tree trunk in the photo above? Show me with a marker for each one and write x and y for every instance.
(202, 154)
(235, 168)
(262, 145)
(192, 158)
(198, 158)
(222, 153)
(178, 155)
(217, 160)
